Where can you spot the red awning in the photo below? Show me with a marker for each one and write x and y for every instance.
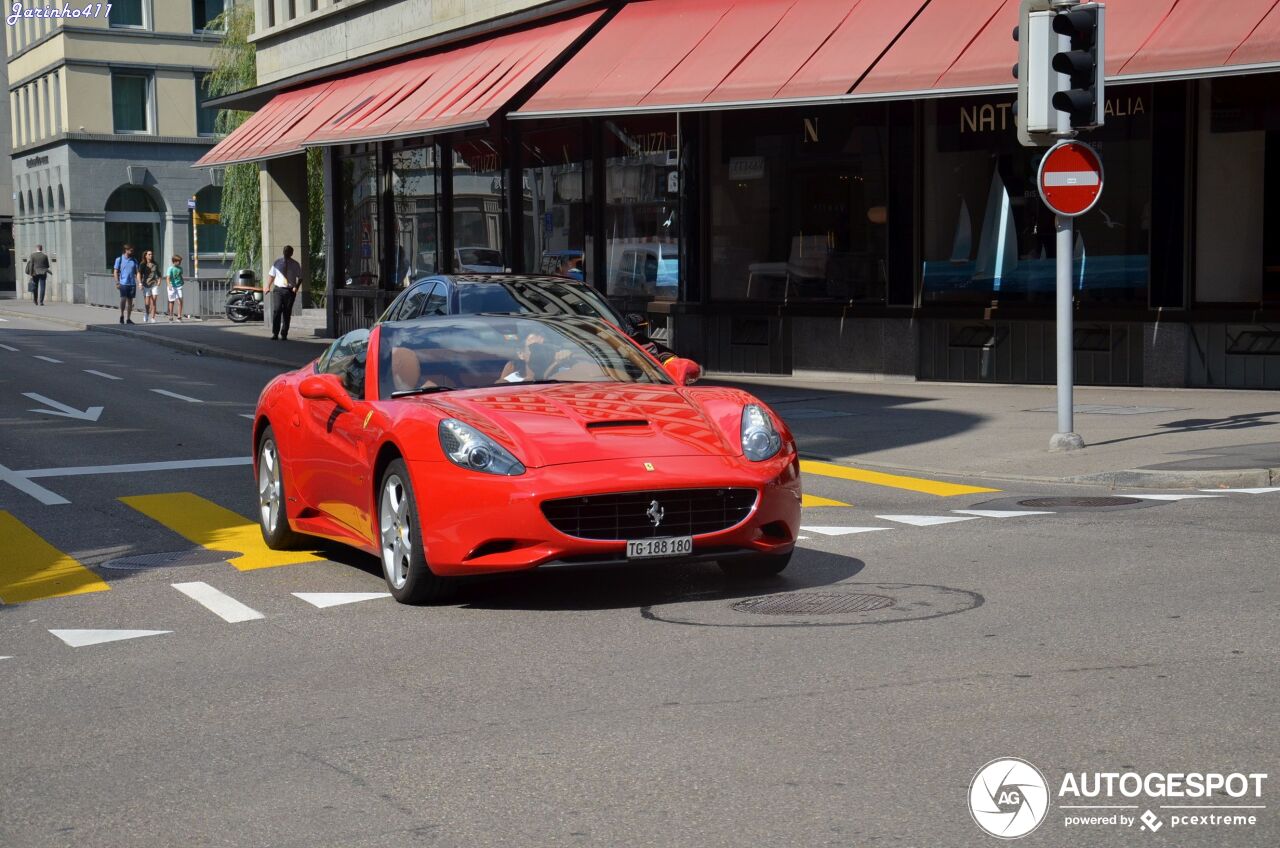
(677, 55)
(444, 91)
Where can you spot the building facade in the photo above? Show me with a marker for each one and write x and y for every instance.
(107, 116)
(8, 278)
(822, 186)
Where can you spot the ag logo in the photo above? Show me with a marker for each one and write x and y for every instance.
(1008, 798)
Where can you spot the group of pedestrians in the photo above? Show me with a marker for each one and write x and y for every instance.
(131, 274)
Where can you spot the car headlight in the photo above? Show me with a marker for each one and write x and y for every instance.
(760, 440)
(468, 447)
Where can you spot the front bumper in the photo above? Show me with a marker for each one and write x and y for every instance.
(476, 523)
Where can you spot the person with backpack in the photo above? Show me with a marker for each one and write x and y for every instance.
(149, 276)
(125, 271)
(174, 276)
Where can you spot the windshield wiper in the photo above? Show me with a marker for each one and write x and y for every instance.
(421, 390)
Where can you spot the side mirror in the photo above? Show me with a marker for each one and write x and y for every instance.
(326, 387)
(685, 372)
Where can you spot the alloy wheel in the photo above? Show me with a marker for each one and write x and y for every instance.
(394, 523)
(269, 488)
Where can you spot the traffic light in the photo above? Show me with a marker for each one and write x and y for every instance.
(1083, 99)
(1034, 114)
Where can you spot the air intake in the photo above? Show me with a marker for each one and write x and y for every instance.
(625, 422)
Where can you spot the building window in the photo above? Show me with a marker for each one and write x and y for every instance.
(129, 102)
(988, 237)
(415, 187)
(642, 198)
(556, 200)
(479, 207)
(359, 195)
(126, 13)
(211, 235)
(206, 116)
(132, 217)
(203, 13)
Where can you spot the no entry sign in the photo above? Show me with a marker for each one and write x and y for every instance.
(1070, 178)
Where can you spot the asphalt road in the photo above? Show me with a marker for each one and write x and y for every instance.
(605, 707)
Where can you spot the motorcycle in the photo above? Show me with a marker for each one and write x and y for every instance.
(244, 303)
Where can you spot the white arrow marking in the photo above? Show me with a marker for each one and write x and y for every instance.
(92, 413)
(840, 531)
(320, 600)
(219, 603)
(1261, 490)
(177, 396)
(1171, 497)
(80, 638)
(927, 520)
(7, 347)
(1000, 513)
(101, 374)
(49, 359)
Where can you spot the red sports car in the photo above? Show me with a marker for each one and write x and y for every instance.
(473, 444)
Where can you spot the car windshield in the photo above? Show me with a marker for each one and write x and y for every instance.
(483, 351)
(542, 298)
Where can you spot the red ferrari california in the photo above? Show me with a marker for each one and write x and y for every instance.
(474, 444)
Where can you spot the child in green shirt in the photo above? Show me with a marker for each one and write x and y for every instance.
(174, 276)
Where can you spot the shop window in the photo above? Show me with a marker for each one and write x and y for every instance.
(415, 185)
(556, 202)
(799, 205)
(641, 211)
(130, 106)
(1237, 203)
(132, 217)
(206, 117)
(987, 235)
(204, 12)
(126, 13)
(358, 193)
(479, 207)
(211, 234)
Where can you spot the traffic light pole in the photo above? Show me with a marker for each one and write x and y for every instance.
(1066, 438)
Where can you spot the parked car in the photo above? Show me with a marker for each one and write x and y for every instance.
(413, 442)
(475, 260)
(649, 269)
(451, 294)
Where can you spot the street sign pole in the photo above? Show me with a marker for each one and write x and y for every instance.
(1066, 438)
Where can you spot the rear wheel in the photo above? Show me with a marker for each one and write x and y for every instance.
(238, 310)
(404, 559)
(756, 566)
(271, 496)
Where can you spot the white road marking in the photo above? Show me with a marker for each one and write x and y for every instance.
(927, 520)
(81, 638)
(6, 658)
(8, 347)
(246, 415)
(20, 482)
(48, 359)
(1000, 513)
(840, 531)
(177, 396)
(91, 413)
(1260, 490)
(127, 468)
(801, 538)
(1171, 497)
(101, 374)
(321, 600)
(219, 603)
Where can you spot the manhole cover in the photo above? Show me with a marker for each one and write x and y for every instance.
(813, 603)
(1078, 503)
(166, 559)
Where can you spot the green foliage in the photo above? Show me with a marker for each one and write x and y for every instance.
(235, 69)
(315, 223)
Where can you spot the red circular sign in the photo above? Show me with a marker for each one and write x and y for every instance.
(1070, 178)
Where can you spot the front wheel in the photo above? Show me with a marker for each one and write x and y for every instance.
(271, 496)
(404, 559)
(756, 566)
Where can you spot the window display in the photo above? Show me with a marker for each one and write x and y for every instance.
(479, 207)
(359, 195)
(415, 192)
(556, 201)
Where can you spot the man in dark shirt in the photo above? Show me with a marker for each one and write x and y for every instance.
(38, 271)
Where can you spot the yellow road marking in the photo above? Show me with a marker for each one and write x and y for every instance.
(216, 528)
(32, 569)
(879, 478)
(814, 500)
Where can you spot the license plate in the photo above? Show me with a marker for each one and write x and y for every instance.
(652, 548)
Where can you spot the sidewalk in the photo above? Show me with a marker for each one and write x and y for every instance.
(1148, 438)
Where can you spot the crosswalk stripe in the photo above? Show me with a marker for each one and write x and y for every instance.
(324, 600)
(216, 528)
(31, 569)
(814, 500)
(81, 638)
(219, 603)
(840, 531)
(895, 481)
(1171, 497)
(927, 520)
(1001, 513)
(1258, 490)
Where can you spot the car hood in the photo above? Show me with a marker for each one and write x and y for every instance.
(582, 422)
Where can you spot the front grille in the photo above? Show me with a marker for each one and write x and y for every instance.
(685, 512)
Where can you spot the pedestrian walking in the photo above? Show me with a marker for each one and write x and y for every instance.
(286, 276)
(173, 274)
(149, 278)
(125, 272)
(37, 273)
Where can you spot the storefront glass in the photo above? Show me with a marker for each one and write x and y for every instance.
(358, 193)
(479, 205)
(989, 237)
(798, 205)
(415, 191)
(556, 202)
(641, 220)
